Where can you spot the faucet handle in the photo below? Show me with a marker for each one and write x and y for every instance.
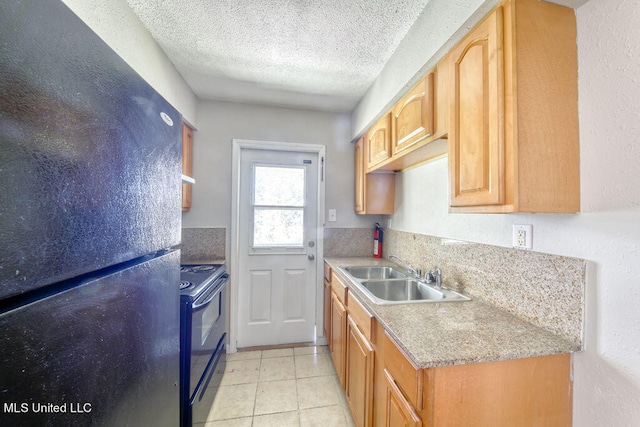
(429, 277)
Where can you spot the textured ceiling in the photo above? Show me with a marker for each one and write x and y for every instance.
(307, 53)
(321, 54)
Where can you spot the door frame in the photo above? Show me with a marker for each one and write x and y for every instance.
(243, 144)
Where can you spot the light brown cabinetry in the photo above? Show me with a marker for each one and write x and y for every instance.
(399, 412)
(187, 165)
(418, 125)
(374, 192)
(338, 333)
(384, 387)
(513, 131)
(412, 118)
(327, 303)
(359, 374)
(407, 376)
(378, 142)
(530, 391)
(352, 351)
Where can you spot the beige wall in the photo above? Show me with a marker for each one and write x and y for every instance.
(221, 122)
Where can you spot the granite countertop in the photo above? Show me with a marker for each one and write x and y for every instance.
(454, 333)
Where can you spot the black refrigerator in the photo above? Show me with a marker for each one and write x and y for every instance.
(89, 209)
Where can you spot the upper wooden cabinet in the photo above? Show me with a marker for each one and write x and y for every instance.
(418, 124)
(378, 142)
(412, 118)
(513, 132)
(187, 165)
(374, 192)
(358, 179)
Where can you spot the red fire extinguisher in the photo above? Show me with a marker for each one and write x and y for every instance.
(377, 241)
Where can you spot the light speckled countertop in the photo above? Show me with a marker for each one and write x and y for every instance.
(454, 333)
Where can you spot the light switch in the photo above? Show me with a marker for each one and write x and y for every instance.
(332, 215)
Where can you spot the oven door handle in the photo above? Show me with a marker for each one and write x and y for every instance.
(222, 281)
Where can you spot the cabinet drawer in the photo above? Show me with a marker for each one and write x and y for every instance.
(327, 272)
(339, 288)
(361, 317)
(408, 377)
(399, 411)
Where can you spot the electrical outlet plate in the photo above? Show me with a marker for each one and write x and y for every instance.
(523, 236)
(332, 215)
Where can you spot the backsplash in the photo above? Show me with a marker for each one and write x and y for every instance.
(201, 245)
(546, 290)
(345, 242)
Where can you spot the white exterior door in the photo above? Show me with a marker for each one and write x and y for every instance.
(277, 238)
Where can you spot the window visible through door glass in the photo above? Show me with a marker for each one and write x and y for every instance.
(278, 206)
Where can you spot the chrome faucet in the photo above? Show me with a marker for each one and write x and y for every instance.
(412, 271)
(434, 276)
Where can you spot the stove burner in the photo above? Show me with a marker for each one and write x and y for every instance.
(197, 268)
(185, 284)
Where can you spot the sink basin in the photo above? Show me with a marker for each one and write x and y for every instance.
(374, 272)
(402, 290)
(389, 285)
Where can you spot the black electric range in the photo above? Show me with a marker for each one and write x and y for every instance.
(202, 337)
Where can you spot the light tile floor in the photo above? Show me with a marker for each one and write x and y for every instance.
(282, 387)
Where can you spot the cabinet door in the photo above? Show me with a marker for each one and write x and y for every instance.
(338, 336)
(187, 164)
(327, 312)
(359, 375)
(476, 128)
(374, 192)
(399, 412)
(412, 117)
(359, 175)
(378, 142)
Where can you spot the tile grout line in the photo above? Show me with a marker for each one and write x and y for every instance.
(255, 396)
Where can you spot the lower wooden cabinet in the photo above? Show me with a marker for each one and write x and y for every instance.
(338, 335)
(384, 388)
(359, 375)
(326, 326)
(327, 311)
(399, 412)
(518, 392)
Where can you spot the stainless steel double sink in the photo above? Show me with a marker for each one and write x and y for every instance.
(390, 285)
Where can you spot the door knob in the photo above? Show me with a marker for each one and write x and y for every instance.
(311, 257)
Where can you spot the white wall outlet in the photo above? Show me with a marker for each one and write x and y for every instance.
(332, 215)
(523, 236)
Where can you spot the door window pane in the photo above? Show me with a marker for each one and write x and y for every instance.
(278, 206)
(279, 186)
(278, 227)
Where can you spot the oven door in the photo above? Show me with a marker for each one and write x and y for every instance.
(202, 400)
(208, 327)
